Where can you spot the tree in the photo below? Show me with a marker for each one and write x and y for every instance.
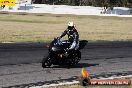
(102, 3)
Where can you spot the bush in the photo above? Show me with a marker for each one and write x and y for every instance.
(102, 3)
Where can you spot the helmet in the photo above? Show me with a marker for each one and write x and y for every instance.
(70, 24)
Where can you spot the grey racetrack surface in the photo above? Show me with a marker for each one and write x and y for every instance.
(20, 63)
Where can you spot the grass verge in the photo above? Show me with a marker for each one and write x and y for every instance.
(44, 27)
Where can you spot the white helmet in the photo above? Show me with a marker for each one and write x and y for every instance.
(70, 24)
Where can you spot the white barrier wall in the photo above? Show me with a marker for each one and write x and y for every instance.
(63, 9)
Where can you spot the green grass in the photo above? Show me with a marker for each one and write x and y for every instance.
(44, 27)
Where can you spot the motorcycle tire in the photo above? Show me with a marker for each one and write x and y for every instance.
(47, 62)
(75, 59)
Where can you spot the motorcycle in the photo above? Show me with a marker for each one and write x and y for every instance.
(59, 55)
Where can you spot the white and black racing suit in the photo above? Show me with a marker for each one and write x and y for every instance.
(73, 38)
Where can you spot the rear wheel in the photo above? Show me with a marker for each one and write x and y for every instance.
(76, 57)
(47, 62)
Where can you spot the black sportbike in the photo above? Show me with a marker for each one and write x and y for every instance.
(59, 55)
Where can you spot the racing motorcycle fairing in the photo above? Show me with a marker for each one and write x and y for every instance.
(58, 54)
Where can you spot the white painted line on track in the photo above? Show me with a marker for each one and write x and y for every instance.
(77, 82)
(60, 84)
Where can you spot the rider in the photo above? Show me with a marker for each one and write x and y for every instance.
(73, 36)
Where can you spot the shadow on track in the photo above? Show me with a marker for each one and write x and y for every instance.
(79, 65)
(82, 44)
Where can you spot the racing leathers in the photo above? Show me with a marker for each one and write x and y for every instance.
(73, 38)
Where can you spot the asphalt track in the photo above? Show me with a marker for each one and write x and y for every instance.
(20, 63)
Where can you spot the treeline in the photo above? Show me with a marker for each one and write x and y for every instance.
(101, 3)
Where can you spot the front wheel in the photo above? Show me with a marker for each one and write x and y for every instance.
(47, 62)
